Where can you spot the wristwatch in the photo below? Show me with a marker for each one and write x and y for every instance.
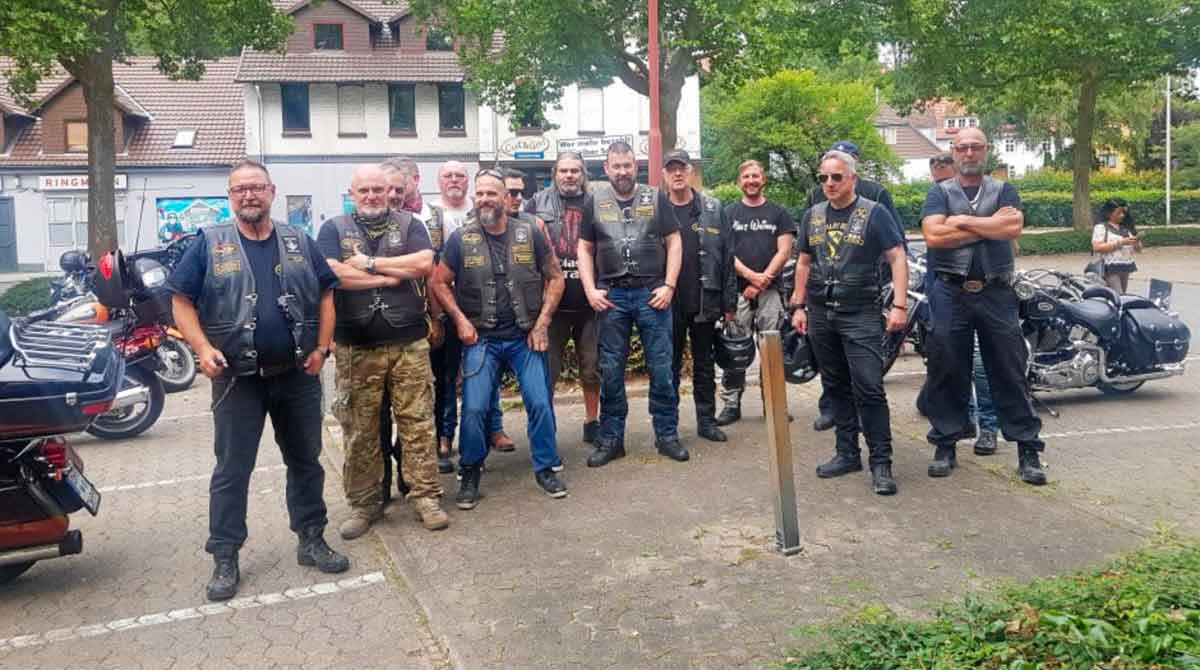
(370, 264)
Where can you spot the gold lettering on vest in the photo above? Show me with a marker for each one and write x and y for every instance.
(227, 268)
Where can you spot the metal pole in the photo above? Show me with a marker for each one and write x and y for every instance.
(783, 486)
(655, 146)
(1168, 161)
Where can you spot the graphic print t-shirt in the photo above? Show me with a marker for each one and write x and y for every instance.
(566, 247)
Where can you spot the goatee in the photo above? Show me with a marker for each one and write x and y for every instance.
(487, 216)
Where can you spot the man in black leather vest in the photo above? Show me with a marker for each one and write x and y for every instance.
(969, 223)
(561, 206)
(836, 302)
(254, 300)
(629, 257)
(382, 258)
(707, 288)
(499, 282)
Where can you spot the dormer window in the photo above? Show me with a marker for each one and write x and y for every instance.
(436, 40)
(184, 139)
(327, 36)
(77, 136)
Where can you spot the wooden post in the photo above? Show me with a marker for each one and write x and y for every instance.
(787, 525)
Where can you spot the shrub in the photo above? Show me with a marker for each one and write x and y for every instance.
(1079, 242)
(1052, 209)
(27, 296)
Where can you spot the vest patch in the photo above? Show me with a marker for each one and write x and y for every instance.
(229, 249)
(646, 198)
(227, 268)
(473, 261)
(523, 252)
(471, 238)
(645, 211)
(395, 238)
(291, 244)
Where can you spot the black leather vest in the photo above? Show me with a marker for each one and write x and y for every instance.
(229, 298)
(713, 256)
(842, 276)
(627, 245)
(435, 226)
(997, 255)
(475, 285)
(400, 306)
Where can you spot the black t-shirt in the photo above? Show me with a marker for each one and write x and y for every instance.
(272, 333)
(506, 319)
(663, 224)
(936, 202)
(755, 230)
(378, 331)
(566, 247)
(881, 233)
(685, 218)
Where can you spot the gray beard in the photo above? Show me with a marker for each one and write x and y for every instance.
(252, 220)
(487, 216)
(569, 191)
(971, 170)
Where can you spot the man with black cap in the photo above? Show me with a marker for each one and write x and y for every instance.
(871, 190)
(706, 285)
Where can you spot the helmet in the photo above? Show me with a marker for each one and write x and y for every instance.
(73, 261)
(799, 363)
(735, 347)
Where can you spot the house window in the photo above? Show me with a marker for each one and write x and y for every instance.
(436, 40)
(184, 139)
(295, 107)
(452, 108)
(402, 109)
(77, 136)
(1108, 160)
(949, 123)
(351, 110)
(1010, 146)
(591, 110)
(972, 122)
(889, 134)
(327, 36)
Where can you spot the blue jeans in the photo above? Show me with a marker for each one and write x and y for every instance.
(446, 361)
(632, 306)
(983, 411)
(481, 363)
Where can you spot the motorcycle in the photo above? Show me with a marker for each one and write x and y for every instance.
(55, 379)
(1115, 343)
(916, 328)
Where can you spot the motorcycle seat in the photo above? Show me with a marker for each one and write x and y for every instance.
(1097, 313)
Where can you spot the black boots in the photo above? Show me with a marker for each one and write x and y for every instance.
(842, 464)
(732, 412)
(823, 423)
(314, 552)
(944, 460)
(986, 444)
(591, 432)
(468, 488)
(225, 577)
(1029, 466)
(605, 452)
(881, 479)
(672, 450)
(711, 433)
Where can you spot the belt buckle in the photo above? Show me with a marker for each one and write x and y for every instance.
(973, 285)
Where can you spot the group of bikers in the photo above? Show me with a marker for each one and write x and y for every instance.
(417, 296)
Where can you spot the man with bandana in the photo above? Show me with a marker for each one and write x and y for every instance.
(382, 258)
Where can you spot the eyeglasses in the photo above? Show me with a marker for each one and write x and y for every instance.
(837, 177)
(243, 189)
(964, 148)
(516, 192)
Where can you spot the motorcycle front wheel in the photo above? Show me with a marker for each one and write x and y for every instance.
(11, 572)
(178, 370)
(123, 423)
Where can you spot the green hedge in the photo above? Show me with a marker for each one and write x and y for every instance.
(1052, 209)
(28, 296)
(1077, 242)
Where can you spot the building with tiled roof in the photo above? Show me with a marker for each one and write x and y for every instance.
(911, 138)
(175, 142)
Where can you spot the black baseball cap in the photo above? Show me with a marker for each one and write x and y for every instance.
(846, 146)
(676, 156)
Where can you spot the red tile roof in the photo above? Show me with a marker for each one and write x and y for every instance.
(339, 66)
(212, 107)
(910, 143)
(376, 10)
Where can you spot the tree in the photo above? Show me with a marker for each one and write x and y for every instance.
(544, 45)
(85, 38)
(788, 120)
(1029, 51)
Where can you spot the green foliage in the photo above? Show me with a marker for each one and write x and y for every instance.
(1054, 209)
(775, 191)
(1185, 146)
(788, 120)
(1140, 613)
(28, 296)
(1080, 241)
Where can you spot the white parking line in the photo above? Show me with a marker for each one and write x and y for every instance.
(200, 612)
(181, 417)
(177, 480)
(1124, 429)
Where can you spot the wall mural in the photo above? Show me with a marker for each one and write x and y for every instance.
(179, 216)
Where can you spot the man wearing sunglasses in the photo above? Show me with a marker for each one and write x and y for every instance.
(969, 224)
(876, 192)
(836, 302)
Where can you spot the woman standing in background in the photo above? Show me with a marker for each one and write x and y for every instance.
(1115, 237)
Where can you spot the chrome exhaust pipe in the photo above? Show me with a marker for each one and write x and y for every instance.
(1166, 371)
(71, 544)
(130, 397)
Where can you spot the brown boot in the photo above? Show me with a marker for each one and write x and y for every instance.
(430, 513)
(360, 522)
(502, 442)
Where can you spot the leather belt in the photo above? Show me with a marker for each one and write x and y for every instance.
(973, 285)
(268, 371)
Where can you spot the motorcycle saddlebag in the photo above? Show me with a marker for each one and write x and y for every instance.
(1153, 337)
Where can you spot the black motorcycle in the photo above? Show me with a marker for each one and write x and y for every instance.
(916, 328)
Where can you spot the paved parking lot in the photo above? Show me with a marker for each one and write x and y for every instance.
(647, 564)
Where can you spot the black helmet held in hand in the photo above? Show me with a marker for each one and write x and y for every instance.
(799, 362)
(735, 347)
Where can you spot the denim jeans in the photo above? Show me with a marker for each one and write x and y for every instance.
(482, 363)
(632, 306)
(293, 401)
(446, 361)
(983, 412)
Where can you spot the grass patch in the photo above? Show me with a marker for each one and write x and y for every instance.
(1142, 612)
(27, 296)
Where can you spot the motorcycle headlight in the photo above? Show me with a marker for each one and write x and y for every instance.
(1024, 289)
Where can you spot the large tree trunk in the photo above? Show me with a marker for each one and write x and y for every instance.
(1085, 125)
(669, 95)
(102, 151)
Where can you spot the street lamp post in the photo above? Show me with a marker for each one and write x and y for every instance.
(655, 145)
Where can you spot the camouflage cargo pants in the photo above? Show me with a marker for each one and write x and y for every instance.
(362, 373)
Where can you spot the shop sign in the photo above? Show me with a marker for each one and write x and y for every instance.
(592, 147)
(73, 182)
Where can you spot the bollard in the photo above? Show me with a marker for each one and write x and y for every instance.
(787, 526)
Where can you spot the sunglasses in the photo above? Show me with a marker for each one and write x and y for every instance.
(489, 173)
(516, 192)
(837, 177)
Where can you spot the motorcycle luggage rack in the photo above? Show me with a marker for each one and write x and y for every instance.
(66, 346)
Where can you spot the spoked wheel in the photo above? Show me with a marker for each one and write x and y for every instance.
(178, 369)
(119, 424)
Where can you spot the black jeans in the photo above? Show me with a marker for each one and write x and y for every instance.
(956, 317)
(703, 336)
(848, 349)
(293, 401)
